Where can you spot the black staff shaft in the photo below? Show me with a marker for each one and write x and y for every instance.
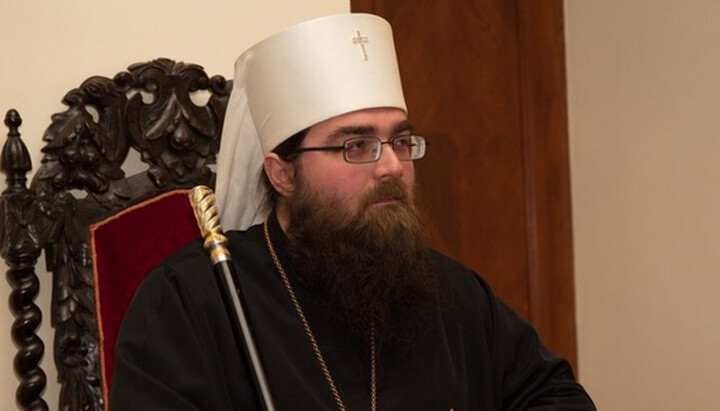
(242, 328)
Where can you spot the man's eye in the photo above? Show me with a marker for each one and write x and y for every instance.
(356, 145)
(403, 142)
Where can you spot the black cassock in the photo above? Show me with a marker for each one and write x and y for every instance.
(176, 350)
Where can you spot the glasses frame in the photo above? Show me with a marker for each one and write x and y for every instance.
(420, 141)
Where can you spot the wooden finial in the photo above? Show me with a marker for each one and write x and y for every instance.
(13, 121)
(15, 159)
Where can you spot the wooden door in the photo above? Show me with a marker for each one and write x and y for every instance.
(485, 83)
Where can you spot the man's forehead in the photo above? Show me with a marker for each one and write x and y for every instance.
(367, 121)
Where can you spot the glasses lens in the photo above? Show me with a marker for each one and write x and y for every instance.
(403, 145)
(418, 149)
(409, 147)
(361, 149)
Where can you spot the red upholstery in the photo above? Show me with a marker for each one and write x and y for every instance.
(125, 247)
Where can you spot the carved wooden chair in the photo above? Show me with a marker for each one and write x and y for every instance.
(100, 229)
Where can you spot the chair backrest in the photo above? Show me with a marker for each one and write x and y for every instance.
(124, 248)
(80, 200)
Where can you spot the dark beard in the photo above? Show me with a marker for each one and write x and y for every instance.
(369, 268)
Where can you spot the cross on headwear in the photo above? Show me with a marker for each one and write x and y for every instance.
(361, 40)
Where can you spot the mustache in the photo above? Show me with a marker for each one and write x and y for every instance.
(388, 190)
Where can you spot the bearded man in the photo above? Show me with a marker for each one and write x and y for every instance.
(351, 308)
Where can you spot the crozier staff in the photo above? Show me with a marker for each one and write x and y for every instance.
(202, 199)
(353, 310)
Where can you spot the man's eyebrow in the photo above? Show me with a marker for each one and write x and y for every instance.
(367, 130)
(405, 125)
(358, 130)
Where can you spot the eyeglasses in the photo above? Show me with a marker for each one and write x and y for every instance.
(368, 149)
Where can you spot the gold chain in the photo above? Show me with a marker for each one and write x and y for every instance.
(311, 336)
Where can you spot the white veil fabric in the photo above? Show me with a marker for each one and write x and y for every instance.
(302, 76)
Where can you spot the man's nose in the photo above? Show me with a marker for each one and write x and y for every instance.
(388, 165)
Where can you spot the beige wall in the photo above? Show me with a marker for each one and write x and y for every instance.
(644, 104)
(49, 47)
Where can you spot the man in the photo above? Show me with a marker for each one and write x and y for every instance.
(351, 309)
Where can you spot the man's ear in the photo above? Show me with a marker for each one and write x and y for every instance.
(281, 174)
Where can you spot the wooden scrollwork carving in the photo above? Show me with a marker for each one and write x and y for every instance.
(171, 113)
